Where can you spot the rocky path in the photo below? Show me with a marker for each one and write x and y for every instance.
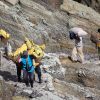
(67, 80)
(78, 82)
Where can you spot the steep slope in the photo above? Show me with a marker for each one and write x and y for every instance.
(46, 26)
(95, 4)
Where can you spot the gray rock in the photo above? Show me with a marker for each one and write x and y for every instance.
(53, 64)
(92, 3)
(78, 9)
(70, 97)
(48, 96)
(13, 2)
(36, 94)
(1, 78)
(27, 92)
(3, 5)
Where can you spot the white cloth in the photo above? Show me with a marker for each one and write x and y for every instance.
(78, 31)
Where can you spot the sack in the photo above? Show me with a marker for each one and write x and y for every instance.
(72, 35)
(79, 31)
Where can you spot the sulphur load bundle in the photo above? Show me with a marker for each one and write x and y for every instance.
(31, 47)
(4, 34)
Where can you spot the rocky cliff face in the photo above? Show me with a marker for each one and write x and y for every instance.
(46, 26)
(95, 4)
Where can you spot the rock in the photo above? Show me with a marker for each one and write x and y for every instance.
(75, 8)
(53, 3)
(19, 98)
(13, 2)
(20, 85)
(56, 80)
(70, 97)
(27, 91)
(36, 94)
(54, 65)
(48, 96)
(6, 91)
(74, 91)
(50, 82)
(36, 8)
(3, 5)
(9, 66)
(1, 78)
(89, 76)
(92, 3)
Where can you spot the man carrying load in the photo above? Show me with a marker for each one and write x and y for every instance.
(76, 34)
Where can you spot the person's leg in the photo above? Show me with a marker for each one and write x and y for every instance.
(25, 77)
(31, 78)
(74, 54)
(99, 52)
(18, 71)
(38, 71)
(80, 53)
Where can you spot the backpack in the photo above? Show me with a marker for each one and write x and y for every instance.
(72, 35)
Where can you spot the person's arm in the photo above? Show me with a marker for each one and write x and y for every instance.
(19, 60)
(38, 62)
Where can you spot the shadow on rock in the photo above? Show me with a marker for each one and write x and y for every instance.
(8, 76)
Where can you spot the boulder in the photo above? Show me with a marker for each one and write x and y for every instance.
(6, 91)
(13, 2)
(95, 4)
(35, 7)
(53, 64)
(3, 5)
(80, 10)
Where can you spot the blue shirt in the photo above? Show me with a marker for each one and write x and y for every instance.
(24, 62)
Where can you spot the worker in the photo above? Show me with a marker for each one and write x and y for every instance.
(28, 68)
(76, 34)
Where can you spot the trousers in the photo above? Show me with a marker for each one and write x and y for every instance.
(77, 51)
(38, 71)
(28, 77)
